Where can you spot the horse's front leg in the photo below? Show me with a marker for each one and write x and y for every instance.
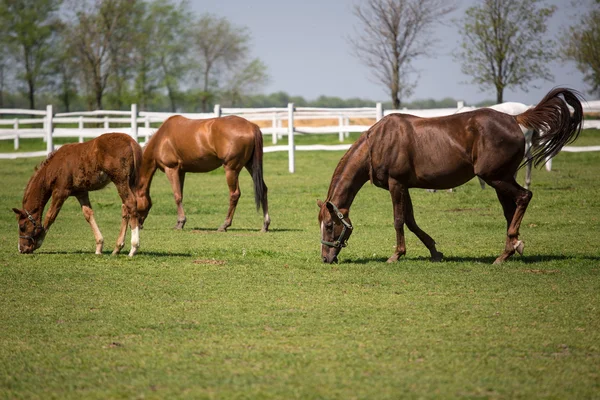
(88, 213)
(129, 216)
(397, 192)
(58, 199)
(177, 178)
(232, 176)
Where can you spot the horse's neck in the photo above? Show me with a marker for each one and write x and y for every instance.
(37, 193)
(350, 175)
(147, 169)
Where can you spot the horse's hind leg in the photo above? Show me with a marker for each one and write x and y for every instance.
(514, 200)
(88, 213)
(177, 178)
(398, 193)
(411, 223)
(232, 176)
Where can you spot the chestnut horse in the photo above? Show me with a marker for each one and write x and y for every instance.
(186, 145)
(403, 151)
(74, 170)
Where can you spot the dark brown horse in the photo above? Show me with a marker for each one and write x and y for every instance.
(75, 170)
(186, 145)
(404, 151)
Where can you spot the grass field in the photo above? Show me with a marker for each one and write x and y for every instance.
(201, 314)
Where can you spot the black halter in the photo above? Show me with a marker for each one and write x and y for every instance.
(342, 240)
(35, 227)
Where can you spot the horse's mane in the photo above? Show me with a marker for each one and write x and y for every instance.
(38, 170)
(337, 173)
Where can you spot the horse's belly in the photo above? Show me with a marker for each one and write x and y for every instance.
(202, 164)
(441, 178)
(90, 182)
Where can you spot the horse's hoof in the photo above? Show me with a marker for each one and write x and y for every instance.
(437, 257)
(221, 229)
(519, 247)
(264, 230)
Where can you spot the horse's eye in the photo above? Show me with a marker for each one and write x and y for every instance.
(329, 225)
(22, 228)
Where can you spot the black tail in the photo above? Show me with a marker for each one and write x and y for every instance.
(554, 122)
(257, 168)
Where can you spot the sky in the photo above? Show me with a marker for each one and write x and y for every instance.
(304, 45)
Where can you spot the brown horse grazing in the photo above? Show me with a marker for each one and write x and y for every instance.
(404, 151)
(75, 170)
(186, 145)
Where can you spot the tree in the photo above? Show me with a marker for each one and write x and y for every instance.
(98, 43)
(581, 44)
(392, 34)
(28, 28)
(505, 45)
(223, 51)
(170, 41)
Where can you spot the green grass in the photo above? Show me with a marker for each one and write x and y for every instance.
(200, 314)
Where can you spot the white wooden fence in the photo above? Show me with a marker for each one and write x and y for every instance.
(46, 125)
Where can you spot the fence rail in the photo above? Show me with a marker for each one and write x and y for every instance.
(286, 121)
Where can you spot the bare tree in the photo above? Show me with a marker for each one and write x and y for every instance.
(505, 44)
(581, 44)
(392, 34)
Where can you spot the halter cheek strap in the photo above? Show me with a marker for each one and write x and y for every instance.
(35, 226)
(341, 241)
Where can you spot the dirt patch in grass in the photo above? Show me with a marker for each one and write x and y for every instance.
(542, 271)
(209, 262)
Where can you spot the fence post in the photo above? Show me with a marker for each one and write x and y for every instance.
(49, 144)
(147, 126)
(378, 112)
(16, 128)
(291, 147)
(134, 130)
(341, 132)
(347, 123)
(106, 123)
(217, 110)
(81, 129)
(274, 123)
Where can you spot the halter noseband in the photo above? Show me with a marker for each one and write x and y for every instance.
(341, 241)
(35, 226)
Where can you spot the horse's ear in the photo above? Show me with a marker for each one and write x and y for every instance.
(330, 207)
(18, 212)
(319, 203)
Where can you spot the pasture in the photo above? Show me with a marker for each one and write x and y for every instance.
(201, 314)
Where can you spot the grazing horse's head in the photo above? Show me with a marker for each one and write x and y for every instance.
(31, 232)
(336, 228)
(144, 204)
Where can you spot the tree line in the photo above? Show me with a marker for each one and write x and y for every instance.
(96, 54)
(504, 43)
(99, 54)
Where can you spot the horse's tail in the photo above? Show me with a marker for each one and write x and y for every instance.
(257, 168)
(134, 175)
(554, 123)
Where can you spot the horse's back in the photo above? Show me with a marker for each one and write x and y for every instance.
(201, 145)
(443, 152)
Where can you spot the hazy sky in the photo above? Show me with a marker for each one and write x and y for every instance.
(304, 45)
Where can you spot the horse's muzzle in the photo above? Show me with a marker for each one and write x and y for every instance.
(333, 260)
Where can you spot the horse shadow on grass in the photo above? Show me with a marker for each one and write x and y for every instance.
(108, 253)
(249, 230)
(533, 259)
